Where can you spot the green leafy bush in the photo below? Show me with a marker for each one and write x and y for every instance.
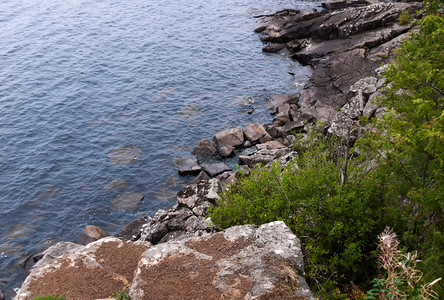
(408, 143)
(336, 222)
(338, 208)
(124, 295)
(50, 297)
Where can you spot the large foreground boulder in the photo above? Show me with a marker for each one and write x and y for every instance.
(98, 270)
(243, 262)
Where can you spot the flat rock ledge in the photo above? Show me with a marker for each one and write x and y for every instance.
(242, 262)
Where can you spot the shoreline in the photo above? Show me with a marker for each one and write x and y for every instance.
(337, 99)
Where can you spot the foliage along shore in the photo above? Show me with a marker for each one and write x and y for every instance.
(338, 197)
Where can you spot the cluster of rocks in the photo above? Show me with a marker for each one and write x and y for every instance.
(243, 262)
(345, 45)
(342, 45)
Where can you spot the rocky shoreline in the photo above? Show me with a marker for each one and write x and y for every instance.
(345, 45)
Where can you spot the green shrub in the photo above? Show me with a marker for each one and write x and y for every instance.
(50, 297)
(405, 17)
(124, 295)
(336, 222)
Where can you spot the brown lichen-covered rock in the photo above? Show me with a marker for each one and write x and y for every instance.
(244, 262)
(98, 270)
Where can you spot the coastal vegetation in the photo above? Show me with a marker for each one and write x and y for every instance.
(339, 197)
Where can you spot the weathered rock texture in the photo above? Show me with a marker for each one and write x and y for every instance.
(243, 262)
(343, 46)
(183, 219)
(97, 270)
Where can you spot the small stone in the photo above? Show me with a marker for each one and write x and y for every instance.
(227, 151)
(247, 144)
(91, 234)
(187, 165)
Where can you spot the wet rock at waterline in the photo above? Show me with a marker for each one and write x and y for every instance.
(124, 156)
(187, 165)
(256, 133)
(91, 234)
(205, 148)
(344, 47)
(233, 137)
(126, 202)
(280, 100)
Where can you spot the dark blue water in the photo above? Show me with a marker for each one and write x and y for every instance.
(79, 79)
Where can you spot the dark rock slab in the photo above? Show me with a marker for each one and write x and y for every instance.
(187, 165)
(215, 169)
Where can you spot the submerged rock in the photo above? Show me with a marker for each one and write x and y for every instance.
(115, 184)
(127, 201)
(124, 156)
